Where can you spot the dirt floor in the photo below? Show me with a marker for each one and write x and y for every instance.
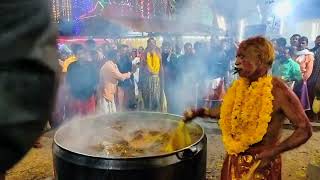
(294, 165)
(37, 165)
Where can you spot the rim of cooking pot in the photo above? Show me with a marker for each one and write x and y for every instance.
(190, 147)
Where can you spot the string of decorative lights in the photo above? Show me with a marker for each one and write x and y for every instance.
(61, 9)
(142, 8)
(75, 10)
(80, 7)
(54, 12)
(64, 12)
(148, 9)
(69, 12)
(58, 10)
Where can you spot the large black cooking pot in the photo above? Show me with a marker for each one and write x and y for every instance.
(73, 163)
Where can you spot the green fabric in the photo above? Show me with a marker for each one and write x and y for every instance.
(289, 70)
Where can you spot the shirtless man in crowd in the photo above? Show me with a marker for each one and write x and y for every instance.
(251, 135)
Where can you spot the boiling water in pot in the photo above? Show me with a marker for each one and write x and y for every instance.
(122, 138)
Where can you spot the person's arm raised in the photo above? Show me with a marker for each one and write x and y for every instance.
(203, 112)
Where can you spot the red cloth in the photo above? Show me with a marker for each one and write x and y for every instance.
(79, 107)
(235, 167)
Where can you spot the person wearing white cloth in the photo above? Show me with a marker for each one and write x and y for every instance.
(109, 77)
(305, 59)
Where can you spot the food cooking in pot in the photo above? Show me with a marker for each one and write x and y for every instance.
(149, 142)
(117, 138)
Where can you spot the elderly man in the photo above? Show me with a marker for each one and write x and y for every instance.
(252, 115)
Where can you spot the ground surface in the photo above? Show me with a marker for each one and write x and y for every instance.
(295, 162)
(37, 165)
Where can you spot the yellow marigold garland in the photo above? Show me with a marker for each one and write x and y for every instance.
(65, 64)
(153, 63)
(245, 114)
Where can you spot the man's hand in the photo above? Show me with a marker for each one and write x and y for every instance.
(266, 156)
(128, 75)
(189, 115)
(201, 112)
(100, 56)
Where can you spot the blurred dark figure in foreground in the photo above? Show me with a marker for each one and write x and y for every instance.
(28, 76)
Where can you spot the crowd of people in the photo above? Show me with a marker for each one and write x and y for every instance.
(299, 67)
(114, 78)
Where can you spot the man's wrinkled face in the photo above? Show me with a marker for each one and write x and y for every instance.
(247, 62)
(294, 41)
(303, 45)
